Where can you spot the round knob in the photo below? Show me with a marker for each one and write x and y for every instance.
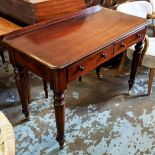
(81, 68)
(123, 45)
(104, 55)
(139, 35)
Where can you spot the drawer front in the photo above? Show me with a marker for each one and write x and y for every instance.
(124, 43)
(87, 64)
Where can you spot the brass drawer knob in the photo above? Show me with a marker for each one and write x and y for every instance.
(81, 68)
(139, 35)
(123, 45)
(104, 55)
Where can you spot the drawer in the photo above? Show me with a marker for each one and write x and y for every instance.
(89, 63)
(124, 43)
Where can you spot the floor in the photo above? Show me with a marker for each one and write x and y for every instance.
(101, 117)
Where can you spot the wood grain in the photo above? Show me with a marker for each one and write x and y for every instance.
(33, 11)
(6, 27)
(64, 43)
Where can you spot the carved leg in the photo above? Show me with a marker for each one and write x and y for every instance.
(59, 106)
(45, 88)
(151, 75)
(98, 72)
(2, 55)
(27, 79)
(22, 89)
(136, 59)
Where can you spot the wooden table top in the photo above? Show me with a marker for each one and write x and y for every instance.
(62, 43)
(7, 26)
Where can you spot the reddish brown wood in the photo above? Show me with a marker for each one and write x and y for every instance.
(22, 89)
(6, 27)
(127, 42)
(27, 79)
(96, 59)
(123, 43)
(56, 9)
(136, 59)
(62, 51)
(59, 106)
(30, 11)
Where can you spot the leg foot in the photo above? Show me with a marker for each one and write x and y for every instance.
(61, 143)
(151, 75)
(98, 72)
(80, 78)
(26, 113)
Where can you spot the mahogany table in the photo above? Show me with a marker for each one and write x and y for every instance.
(61, 51)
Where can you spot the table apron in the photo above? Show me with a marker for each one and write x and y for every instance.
(89, 63)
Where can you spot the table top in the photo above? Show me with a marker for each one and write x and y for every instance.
(7, 26)
(62, 43)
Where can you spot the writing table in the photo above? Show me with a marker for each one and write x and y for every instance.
(61, 51)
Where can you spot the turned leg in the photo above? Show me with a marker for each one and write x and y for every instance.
(136, 59)
(22, 89)
(98, 72)
(59, 106)
(2, 55)
(80, 78)
(151, 75)
(45, 88)
(27, 79)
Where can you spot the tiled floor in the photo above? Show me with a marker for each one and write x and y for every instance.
(101, 118)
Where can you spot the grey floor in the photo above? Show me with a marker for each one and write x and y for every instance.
(101, 118)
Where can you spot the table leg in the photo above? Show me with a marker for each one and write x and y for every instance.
(27, 78)
(80, 78)
(45, 88)
(2, 55)
(59, 105)
(22, 89)
(99, 75)
(136, 59)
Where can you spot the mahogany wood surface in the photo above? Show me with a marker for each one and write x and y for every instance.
(77, 36)
(33, 11)
(6, 27)
(61, 51)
